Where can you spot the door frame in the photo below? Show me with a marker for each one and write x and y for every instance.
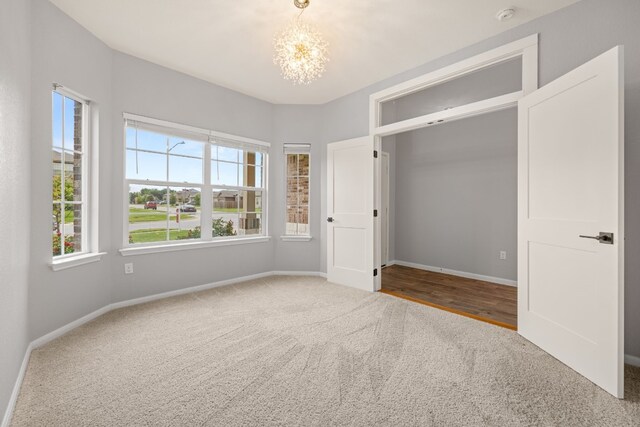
(526, 48)
(385, 207)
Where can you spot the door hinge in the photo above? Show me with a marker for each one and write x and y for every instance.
(375, 213)
(375, 154)
(375, 272)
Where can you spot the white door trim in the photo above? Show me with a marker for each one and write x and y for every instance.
(527, 48)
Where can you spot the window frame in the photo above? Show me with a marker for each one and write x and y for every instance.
(206, 204)
(296, 148)
(89, 247)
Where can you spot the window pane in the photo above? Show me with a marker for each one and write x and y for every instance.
(303, 164)
(150, 220)
(226, 174)
(225, 153)
(292, 220)
(57, 119)
(250, 223)
(292, 191)
(184, 216)
(147, 214)
(292, 164)
(303, 191)
(72, 228)
(73, 176)
(148, 166)
(72, 124)
(250, 201)
(226, 204)
(57, 227)
(57, 179)
(226, 201)
(254, 158)
(303, 220)
(186, 147)
(258, 174)
(145, 140)
(185, 169)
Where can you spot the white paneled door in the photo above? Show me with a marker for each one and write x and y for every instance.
(350, 204)
(570, 219)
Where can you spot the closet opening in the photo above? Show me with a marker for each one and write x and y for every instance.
(449, 216)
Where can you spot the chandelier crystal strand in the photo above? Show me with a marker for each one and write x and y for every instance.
(301, 52)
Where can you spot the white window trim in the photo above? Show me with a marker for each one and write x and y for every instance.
(296, 238)
(90, 206)
(76, 260)
(199, 244)
(206, 240)
(296, 148)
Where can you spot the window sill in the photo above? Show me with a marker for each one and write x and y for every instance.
(142, 250)
(63, 264)
(296, 238)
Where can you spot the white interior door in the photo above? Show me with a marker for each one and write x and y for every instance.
(570, 184)
(350, 204)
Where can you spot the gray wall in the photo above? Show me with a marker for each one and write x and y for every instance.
(456, 195)
(140, 87)
(568, 38)
(302, 124)
(15, 150)
(63, 52)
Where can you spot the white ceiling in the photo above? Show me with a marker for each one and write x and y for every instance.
(230, 43)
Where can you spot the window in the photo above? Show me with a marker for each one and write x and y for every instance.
(70, 174)
(297, 181)
(186, 184)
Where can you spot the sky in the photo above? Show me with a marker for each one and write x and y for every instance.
(224, 167)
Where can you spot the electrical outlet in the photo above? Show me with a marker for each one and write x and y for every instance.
(128, 268)
(503, 255)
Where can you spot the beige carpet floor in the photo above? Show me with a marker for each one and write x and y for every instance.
(301, 351)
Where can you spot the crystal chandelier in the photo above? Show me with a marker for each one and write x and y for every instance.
(300, 50)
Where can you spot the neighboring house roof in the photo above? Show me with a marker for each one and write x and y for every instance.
(57, 157)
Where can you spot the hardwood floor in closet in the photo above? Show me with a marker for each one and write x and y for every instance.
(485, 301)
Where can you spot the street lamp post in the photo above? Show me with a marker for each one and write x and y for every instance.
(168, 192)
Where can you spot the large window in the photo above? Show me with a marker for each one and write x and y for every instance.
(69, 175)
(187, 184)
(297, 181)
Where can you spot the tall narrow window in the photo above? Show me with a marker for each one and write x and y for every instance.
(297, 181)
(69, 175)
(191, 184)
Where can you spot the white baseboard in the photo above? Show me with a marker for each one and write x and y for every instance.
(192, 289)
(39, 342)
(632, 360)
(300, 273)
(498, 280)
(8, 413)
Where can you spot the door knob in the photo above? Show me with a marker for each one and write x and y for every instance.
(602, 237)
(329, 219)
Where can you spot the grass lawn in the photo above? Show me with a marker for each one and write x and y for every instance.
(156, 235)
(148, 215)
